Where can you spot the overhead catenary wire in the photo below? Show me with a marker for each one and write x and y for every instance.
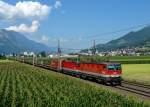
(98, 36)
(118, 31)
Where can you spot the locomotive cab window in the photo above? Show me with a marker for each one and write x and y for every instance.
(114, 67)
(118, 67)
(111, 67)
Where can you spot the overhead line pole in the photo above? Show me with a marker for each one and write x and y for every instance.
(94, 48)
(59, 54)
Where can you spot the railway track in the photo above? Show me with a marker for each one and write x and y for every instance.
(135, 84)
(139, 89)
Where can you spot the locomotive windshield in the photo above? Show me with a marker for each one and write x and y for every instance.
(114, 67)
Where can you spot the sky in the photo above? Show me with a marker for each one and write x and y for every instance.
(75, 22)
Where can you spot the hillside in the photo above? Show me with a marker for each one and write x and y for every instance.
(14, 42)
(139, 38)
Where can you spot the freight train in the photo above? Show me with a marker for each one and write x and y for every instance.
(106, 72)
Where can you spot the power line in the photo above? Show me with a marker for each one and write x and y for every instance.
(102, 34)
(98, 36)
(70, 49)
(118, 31)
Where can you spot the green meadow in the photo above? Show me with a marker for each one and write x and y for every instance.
(137, 72)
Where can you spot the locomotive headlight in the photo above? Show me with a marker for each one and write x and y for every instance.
(103, 72)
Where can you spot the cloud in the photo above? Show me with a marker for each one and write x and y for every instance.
(23, 28)
(63, 12)
(57, 4)
(44, 39)
(24, 9)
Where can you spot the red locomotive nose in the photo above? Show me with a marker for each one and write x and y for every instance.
(114, 69)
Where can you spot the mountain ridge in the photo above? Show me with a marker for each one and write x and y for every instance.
(132, 39)
(14, 42)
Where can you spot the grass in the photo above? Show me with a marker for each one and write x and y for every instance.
(128, 58)
(24, 85)
(4, 61)
(137, 72)
(120, 59)
(131, 59)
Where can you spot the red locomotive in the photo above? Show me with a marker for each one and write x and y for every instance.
(109, 73)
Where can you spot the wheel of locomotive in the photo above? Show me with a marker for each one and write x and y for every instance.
(119, 83)
(83, 76)
(90, 77)
(113, 83)
(78, 75)
(99, 81)
(105, 82)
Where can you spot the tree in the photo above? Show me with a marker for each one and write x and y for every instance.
(43, 54)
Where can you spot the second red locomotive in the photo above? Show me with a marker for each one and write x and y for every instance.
(106, 72)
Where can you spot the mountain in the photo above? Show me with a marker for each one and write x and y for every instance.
(132, 39)
(14, 42)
